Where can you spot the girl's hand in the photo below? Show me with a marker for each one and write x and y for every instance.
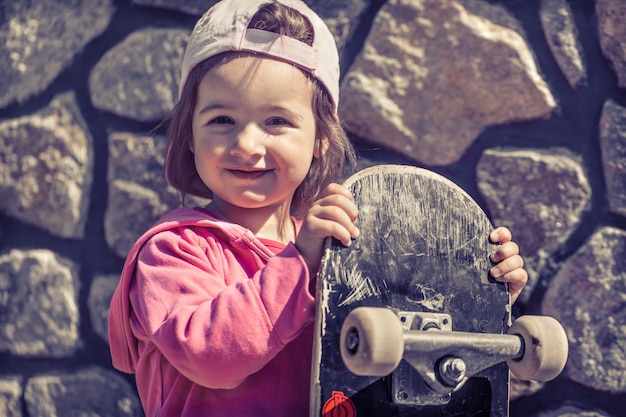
(333, 215)
(509, 263)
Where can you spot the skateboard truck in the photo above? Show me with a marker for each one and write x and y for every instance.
(444, 359)
(438, 360)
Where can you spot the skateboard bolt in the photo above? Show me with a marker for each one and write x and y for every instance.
(452, 370)
(403, 395)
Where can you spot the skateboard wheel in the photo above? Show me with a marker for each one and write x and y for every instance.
(371, 341)
(545, 348)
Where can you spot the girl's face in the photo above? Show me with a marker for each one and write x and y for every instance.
(254, 132)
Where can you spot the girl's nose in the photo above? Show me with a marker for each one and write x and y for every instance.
(249, 142)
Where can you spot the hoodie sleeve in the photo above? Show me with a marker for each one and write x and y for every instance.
(215, 311)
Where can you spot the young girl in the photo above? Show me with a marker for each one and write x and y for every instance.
(215, 305)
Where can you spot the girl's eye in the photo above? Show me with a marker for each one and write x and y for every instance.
(278, 121)
(221, 120)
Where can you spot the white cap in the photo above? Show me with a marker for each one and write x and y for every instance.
(224, 27)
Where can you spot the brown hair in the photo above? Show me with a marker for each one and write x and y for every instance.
(338, 158)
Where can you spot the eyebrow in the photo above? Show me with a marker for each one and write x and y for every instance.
(214, 107)
(274, 108)
(267, 108)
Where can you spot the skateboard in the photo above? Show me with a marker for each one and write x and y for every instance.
(408, 321)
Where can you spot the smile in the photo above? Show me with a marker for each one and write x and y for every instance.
(248, 175)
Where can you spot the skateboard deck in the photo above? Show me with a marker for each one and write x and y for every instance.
(423, 253)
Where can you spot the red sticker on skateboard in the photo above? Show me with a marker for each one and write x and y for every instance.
(339, 405)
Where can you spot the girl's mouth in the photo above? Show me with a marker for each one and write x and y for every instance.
(248, 175)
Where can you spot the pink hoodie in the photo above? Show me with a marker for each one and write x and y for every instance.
(212, 322)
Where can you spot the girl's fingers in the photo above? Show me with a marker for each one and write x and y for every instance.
(508, 265)
(336, 213)
(501, 235)
(333, 215)
(336, 208)
(338, 196)
(505, 250)
(336, 189)
(517, 281)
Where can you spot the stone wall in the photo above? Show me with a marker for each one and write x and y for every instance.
(521, 102)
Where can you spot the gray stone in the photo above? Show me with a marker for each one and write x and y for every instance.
(432, 75)
(10, 394)
(560, 30)
(613, 145)
(519, 388)
(46, 163)
(131, 210)
(140, 159)
(341, 16)
(100, 294)
(40, 39)
(38, 304)
(139, 77)
(194, 7)
(88, 392)
(588, 296)
(571, 411)
(540, 196)
(612, 33)
(138, 192)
